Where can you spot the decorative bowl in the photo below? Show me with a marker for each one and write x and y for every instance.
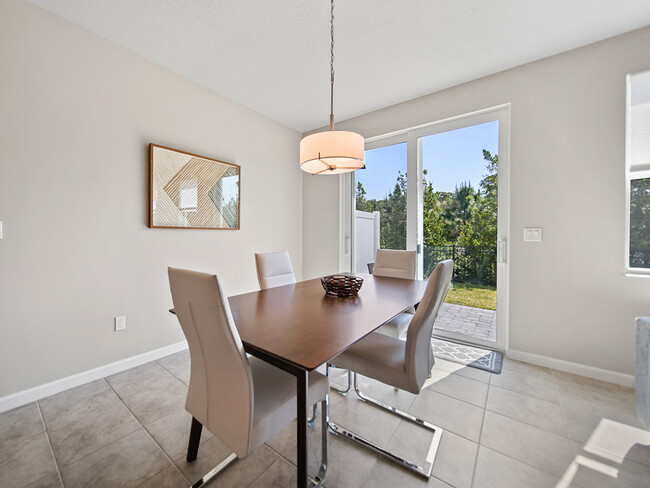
(340, 285)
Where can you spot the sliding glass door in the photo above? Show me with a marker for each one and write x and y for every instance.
(441, 190)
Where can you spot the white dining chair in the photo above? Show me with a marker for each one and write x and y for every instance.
(402, 364)
(390, 263)
(242, 400)
(396, 264)
(274, 269)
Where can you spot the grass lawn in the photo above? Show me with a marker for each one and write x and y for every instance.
(478, 296)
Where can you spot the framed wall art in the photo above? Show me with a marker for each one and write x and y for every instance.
(192, 192)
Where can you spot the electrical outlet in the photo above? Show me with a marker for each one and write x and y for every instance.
(120, 323)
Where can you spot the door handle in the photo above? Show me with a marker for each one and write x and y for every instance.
(502, 251)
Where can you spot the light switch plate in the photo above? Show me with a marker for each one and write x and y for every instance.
(0, 229)
(532, 234)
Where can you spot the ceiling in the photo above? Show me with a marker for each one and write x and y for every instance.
(273, 55)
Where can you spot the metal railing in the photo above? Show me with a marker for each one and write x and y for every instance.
(472, 264)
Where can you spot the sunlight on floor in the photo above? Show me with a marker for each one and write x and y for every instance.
(611, 442)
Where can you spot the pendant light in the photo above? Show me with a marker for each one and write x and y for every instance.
(334, 151)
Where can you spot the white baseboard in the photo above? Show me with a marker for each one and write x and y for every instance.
(575, 368)
(32, 394)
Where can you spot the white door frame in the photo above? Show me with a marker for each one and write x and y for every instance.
(415, 227)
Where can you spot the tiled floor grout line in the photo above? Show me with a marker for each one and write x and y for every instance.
(480, 435)
(566, 426)
(49, 443)
(266, 470)
(170, 372)
(518, 460)
(148, 434)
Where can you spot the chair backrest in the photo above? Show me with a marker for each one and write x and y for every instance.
(220, 393)
(274, 269)
(395, 264)
(419, 356)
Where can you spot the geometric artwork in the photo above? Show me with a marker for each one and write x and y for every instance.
(192, 192)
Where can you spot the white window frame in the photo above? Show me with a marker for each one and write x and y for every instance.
(631, 173)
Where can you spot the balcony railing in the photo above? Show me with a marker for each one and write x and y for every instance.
(472, 264)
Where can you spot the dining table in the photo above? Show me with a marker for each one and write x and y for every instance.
(298, 327)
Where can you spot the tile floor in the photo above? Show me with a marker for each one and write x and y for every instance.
(471, 321)
(528, 427)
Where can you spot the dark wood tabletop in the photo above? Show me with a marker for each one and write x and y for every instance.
(300, 324)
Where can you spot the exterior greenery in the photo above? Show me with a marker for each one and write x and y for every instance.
(476, 296)
(461, 225)
(640, 223)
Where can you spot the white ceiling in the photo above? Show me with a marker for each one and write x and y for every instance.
(273, 55)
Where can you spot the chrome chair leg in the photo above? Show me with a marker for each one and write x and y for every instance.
(342, 391)
(325, 418)
(314, 414)
(424, 471)
(216, 470)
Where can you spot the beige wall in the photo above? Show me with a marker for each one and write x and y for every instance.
(569, 298)
(76, 116)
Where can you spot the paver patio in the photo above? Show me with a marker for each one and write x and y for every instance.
(474, 322)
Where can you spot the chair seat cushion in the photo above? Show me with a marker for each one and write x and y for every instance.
(377, 356)
(397, 326)
(275, 398)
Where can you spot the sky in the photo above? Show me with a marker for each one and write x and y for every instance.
(450, 158)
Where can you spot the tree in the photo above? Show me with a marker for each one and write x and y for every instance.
(393, 213)
(640, 223)
(393, 216)
(433, 220)
(480, 230)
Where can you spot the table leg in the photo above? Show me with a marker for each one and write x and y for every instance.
(301, 399)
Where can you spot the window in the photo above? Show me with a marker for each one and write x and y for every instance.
(638, 174)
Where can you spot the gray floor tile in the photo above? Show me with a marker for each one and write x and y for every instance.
(617, 442)
(449, 413)
(526, 378)
(169, 477)
(592, 396)
(150, 391)
(494, 470)
(245, 471)
(128, 462)
(411, 442)
(581, 425)
(349, 463)
(455, 460)
(281, 474)
(599, 470)
(172, 431)
(375, 424)
(462, 370)
(178, 364)
(50, 481)
(460, 387)
(99, 442)
(399, 399)
(536, 447)
(540, 413)
(24, 461)
(284, 440)
(84, 419)
(20, 423)
(387, 474)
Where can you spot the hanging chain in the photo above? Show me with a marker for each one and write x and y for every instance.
(332, 65)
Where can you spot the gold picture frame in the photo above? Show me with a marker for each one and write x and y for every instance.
(188, 191)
